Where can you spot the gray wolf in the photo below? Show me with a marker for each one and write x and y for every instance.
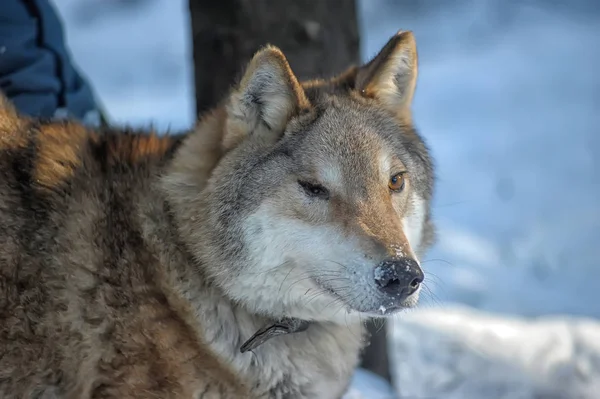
(235, 261)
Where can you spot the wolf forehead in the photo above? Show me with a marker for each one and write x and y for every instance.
(345, 141)
(358, 135)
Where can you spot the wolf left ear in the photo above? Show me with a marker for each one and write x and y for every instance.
(267, 97)
(391, 76)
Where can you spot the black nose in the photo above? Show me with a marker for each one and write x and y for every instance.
(398, 277)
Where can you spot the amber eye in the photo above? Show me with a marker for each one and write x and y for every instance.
(396, 182)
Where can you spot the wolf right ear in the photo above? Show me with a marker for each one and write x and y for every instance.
(268, 95)
(391, 76)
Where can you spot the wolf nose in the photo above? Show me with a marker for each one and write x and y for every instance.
(401, 277)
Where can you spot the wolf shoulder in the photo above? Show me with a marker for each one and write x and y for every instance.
(79, 310)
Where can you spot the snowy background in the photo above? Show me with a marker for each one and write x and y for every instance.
(509, 101)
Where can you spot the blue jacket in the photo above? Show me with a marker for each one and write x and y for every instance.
(36, 71)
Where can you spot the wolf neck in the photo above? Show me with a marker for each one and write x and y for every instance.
(328, 350)
(280, 362)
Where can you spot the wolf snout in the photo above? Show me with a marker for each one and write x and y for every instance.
(399, 277)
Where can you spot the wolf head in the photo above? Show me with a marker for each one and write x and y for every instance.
(318, 206)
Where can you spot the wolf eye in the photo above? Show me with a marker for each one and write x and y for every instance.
(396, 182)
(314, 190)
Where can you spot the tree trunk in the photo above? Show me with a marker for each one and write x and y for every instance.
(319, 38)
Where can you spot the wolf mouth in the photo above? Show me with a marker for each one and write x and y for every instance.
(386, 307)
(331, 292)
(382, 310)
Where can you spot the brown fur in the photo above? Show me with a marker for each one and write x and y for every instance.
(81, 312)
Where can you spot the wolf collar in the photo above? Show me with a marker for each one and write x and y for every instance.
(283, 326)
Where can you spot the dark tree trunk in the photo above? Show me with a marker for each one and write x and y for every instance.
(375, 357)
(320, 39)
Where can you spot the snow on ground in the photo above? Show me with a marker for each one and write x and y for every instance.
(367, 385)
(464, 354)
(508, 99)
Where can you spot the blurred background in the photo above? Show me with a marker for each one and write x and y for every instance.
(508, 99)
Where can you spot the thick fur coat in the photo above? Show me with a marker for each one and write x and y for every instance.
(135, 266)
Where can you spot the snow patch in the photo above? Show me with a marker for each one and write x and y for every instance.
(457, 352)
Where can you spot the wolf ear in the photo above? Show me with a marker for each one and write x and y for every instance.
(391, 76)
(268, 95)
